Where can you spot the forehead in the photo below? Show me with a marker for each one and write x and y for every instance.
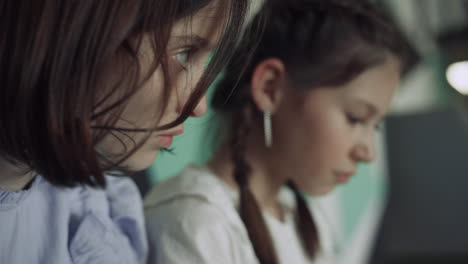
(376, 85)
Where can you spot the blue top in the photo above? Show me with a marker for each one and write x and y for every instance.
(47, 224)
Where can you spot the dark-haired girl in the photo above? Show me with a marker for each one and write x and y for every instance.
(90, 90)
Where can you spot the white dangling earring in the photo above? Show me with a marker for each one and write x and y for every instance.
(267, 128)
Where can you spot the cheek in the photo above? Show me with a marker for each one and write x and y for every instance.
(183, 82)
(142, 159)
(333, 139)
(118, 144)
(142, 111)
(318, 145)
(115, 148)
(188, 80)
(325, 137)
(145, 106)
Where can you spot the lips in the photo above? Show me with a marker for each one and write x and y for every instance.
(343, 177)
(165, 140)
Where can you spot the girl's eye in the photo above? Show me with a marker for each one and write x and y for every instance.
(378, 127)
(354, 120)
(182, 57)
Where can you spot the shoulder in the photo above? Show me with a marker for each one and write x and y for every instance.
(120, 199)
(189, 214)
(109, 224)
(189, 230)
(187, 220)
(321, 210)
(96, 225)
(193, 198)
(82, 198)
(325, 219)
(124, 198)
(121, 186)
(92, 225)
(194, 182)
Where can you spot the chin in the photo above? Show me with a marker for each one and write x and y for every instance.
(140, 160)
(319, 191)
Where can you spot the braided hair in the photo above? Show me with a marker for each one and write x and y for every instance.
(321, 43)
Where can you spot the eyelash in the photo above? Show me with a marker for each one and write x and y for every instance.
(168, 150)
(354, 121)
(378, 127)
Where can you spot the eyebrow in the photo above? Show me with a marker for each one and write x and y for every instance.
(192, 39)
(371, 108)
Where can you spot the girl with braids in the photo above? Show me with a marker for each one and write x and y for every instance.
(91, 89)
(301, 118)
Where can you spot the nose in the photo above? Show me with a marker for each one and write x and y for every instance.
(201, 108)
(365, 150)
(191, 83)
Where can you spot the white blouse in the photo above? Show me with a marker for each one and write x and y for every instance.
(192, 218)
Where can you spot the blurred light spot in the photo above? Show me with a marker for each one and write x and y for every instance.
(457, 76)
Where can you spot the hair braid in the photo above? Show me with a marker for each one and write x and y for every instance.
(305, 224)
(249, 210)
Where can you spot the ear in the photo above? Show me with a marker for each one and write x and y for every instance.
(268, 84)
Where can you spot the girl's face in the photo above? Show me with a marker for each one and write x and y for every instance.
(190, 43)
(320, 135)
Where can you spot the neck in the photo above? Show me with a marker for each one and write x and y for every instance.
(13, 178)
(265, 180)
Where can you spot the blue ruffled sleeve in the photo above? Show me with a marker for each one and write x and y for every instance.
(112, 229)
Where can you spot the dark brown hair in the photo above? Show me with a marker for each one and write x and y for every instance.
(321, 43)
(53, 56)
